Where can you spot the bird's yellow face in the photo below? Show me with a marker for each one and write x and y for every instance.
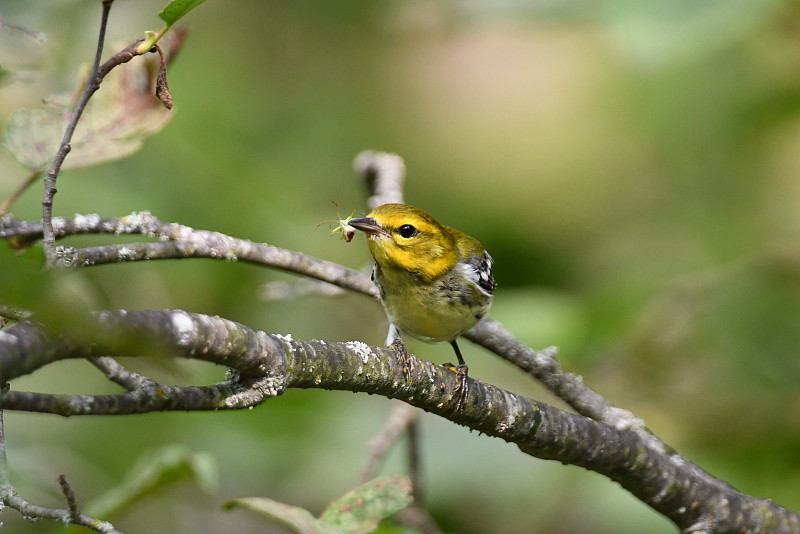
(406, 238)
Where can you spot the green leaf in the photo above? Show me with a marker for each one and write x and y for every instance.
(296, 519)
(154, 471)
(357, 512)
(178, 8)
(360, 510)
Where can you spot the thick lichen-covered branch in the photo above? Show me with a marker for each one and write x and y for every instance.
(265, 365)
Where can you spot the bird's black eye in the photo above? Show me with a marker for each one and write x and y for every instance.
(408, 231)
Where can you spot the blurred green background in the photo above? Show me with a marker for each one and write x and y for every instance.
(631, 166)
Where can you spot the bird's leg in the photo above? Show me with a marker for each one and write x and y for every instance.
(462, 387)
(403, 357)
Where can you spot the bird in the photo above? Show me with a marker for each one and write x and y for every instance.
(434, 282)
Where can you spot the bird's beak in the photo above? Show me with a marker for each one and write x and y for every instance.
(369, 226)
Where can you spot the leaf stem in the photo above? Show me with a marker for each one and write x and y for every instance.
(151, 38)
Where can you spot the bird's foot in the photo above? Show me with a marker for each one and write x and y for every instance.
(461, 389)
(404, 359)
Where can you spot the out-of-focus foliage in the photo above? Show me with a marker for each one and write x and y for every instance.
(357, 512)
(115, 123)
(155, 472)
(631, 166)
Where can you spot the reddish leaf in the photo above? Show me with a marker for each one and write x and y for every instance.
(118, 118)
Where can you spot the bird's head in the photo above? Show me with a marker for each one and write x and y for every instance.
(406, 238)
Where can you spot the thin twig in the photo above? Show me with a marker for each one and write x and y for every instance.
(296, 289)
(222, 396)
(8, 202)
(396, 424)
(180, 242)
(39, 37)
(62, 515)
(416, 516)
(92, 84)
(10, 498)
(118, 374)
(415, 460)
(69, 496)
(384, 174)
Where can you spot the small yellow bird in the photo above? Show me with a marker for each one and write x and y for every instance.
(435, 282)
